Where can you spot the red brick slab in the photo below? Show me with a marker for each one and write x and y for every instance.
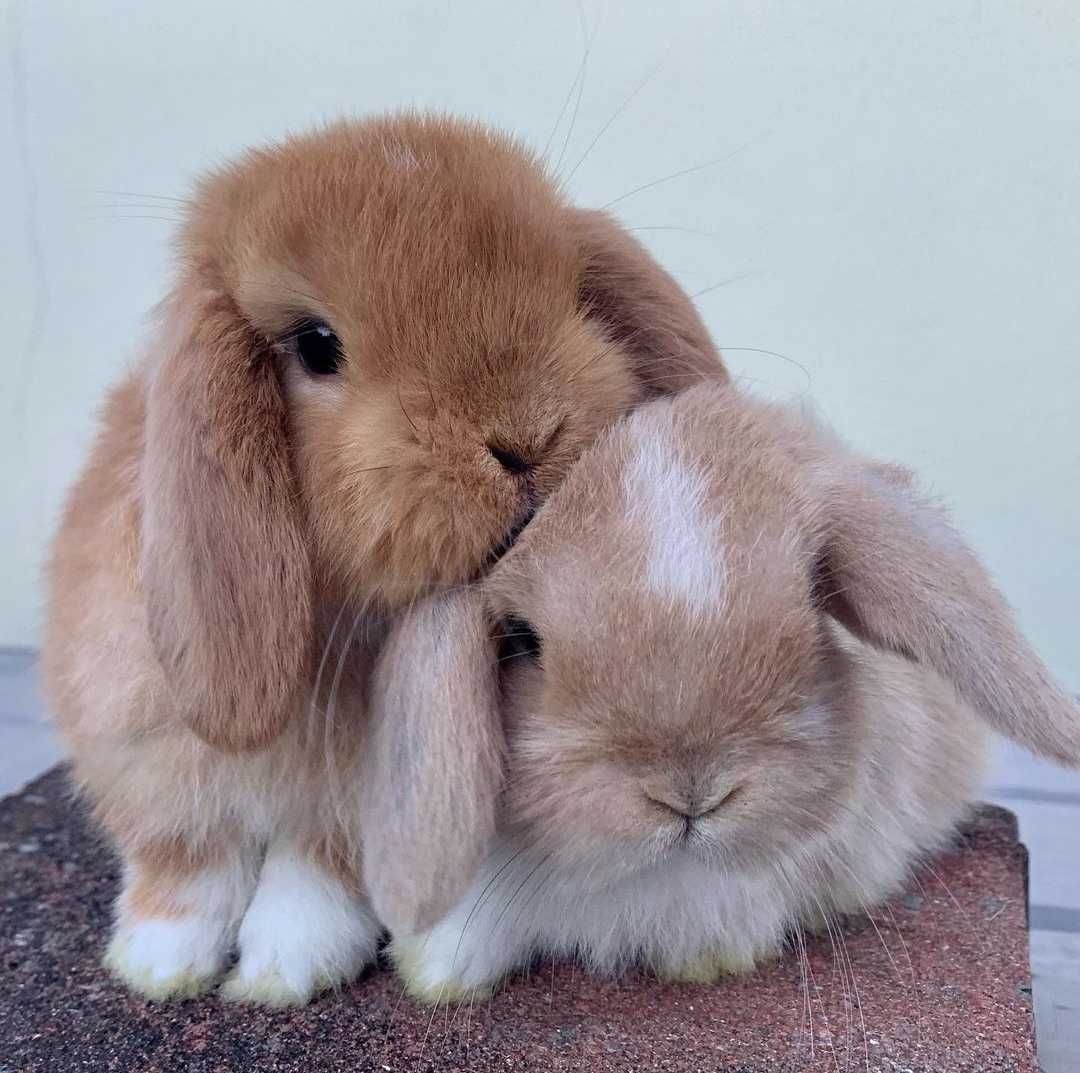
(937, 982)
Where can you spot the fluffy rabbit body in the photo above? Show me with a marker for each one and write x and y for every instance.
(385, 344)
(744, 684)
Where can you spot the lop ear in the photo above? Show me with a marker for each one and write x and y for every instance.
(642, 307)
(900, 577)
(224, 562)
(433, 762)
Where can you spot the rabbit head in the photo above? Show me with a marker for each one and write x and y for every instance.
(663, 671)
(386, 343)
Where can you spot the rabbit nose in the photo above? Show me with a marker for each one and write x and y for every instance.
(689, 805)
(509, 460)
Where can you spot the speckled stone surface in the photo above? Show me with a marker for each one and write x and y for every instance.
(935, 983)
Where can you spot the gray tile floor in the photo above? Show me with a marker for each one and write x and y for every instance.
(1046, 799)
(1047, 802)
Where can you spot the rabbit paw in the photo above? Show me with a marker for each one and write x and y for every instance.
(430, 966)
(304, 932)
(163, 958)
(712, 965)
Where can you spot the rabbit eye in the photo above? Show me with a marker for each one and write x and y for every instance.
(317, 348)
(517, 638)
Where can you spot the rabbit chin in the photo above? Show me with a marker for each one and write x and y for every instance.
(681, 917)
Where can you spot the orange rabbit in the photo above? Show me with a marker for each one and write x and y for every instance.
(385, 344)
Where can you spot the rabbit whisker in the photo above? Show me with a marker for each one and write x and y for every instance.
(839, 966)
(721, 283)
(565, 105)
(790, 886)
(148, 197)
(772, 354)
(582, 74)
(681, 230)
(685, 171)
(544, 860)
(482, 897)
(615, 115)
(134, 216)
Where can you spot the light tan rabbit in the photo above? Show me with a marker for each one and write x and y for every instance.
(732, 679)
(385, 344)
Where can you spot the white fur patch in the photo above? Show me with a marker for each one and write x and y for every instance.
(166, 957)
(432, 969)
(304, 932)
(684, 554)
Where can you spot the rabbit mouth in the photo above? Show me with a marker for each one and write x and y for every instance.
(694, 844)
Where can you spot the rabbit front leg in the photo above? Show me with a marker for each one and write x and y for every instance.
(447, 965)
(742, 925)
(477, 944)
(309, 927)
(178, 913)
(713, 964)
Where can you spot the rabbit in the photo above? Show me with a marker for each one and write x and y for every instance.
(385, 343)
(732, 680)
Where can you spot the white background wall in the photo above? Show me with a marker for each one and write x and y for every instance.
(898, 211)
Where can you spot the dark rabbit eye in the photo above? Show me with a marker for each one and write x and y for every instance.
(318, 348)
(517, 638)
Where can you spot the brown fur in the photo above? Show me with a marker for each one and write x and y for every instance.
(337, 857)
(473, 306)
(225, 562)
(241, 524)
(160, 868)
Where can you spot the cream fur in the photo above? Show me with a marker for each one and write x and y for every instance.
(685, 917)
(716, 741)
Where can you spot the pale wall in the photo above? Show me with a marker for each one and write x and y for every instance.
(900, 213)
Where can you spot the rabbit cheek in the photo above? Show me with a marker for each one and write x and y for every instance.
(394, 509)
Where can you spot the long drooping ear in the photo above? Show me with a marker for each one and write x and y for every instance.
(642, 307)
(900, 577)
(224, 561)
(433, 762)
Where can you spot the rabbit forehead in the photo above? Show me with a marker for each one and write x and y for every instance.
(395, 223)
(669, 580)
(691, 510)
(668, 512)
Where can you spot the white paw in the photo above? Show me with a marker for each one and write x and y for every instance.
(303, 933)
(164, 959)
(436, 966)
(712, 966)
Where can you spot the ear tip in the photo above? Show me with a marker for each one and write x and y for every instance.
(237, 731)
(1066, 758)
(1055, 731)
(235, 716)
(1069, 756)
